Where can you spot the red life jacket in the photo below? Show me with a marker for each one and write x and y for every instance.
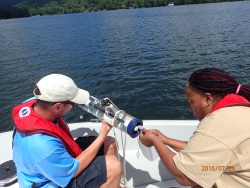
(29, 122)
(231, 100)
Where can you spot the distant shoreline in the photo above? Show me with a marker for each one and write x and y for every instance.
(28, 9)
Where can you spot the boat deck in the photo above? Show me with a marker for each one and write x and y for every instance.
(140, 172)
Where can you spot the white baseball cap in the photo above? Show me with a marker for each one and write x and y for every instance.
(60, 88)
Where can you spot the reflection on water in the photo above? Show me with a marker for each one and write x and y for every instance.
(139, 58)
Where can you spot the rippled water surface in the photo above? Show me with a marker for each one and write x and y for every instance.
(139, 58)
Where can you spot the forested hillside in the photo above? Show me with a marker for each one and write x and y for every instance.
(4, 3)
(23, 8)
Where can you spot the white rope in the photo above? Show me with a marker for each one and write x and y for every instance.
(124, 177)
(123, 144)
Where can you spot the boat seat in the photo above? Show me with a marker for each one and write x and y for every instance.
(8, 174)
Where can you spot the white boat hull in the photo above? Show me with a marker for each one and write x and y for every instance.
(140, 172)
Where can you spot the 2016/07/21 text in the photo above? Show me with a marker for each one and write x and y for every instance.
(218, 168)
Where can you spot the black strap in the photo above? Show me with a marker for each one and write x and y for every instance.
(13, 135)
(14, 132)
(41, 184)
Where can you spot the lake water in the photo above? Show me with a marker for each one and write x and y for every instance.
(139, 58)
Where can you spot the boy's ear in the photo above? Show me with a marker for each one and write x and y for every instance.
(57, 106)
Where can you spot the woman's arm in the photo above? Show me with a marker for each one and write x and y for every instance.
(166, 155)
(177, 145)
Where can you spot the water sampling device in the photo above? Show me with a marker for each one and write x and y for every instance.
(112, 115)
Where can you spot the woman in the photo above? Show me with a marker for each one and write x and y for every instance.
(218, 153)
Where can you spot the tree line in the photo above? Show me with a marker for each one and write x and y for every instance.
(13, 12)
(49, 7)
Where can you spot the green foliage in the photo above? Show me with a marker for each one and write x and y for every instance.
(49, 7)
(13, 12)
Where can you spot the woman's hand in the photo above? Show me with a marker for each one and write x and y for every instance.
(147, 137)
(158, 134)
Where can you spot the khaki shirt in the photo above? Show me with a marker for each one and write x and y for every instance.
(218, 153)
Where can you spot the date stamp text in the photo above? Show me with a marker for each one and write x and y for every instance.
(217, 168)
